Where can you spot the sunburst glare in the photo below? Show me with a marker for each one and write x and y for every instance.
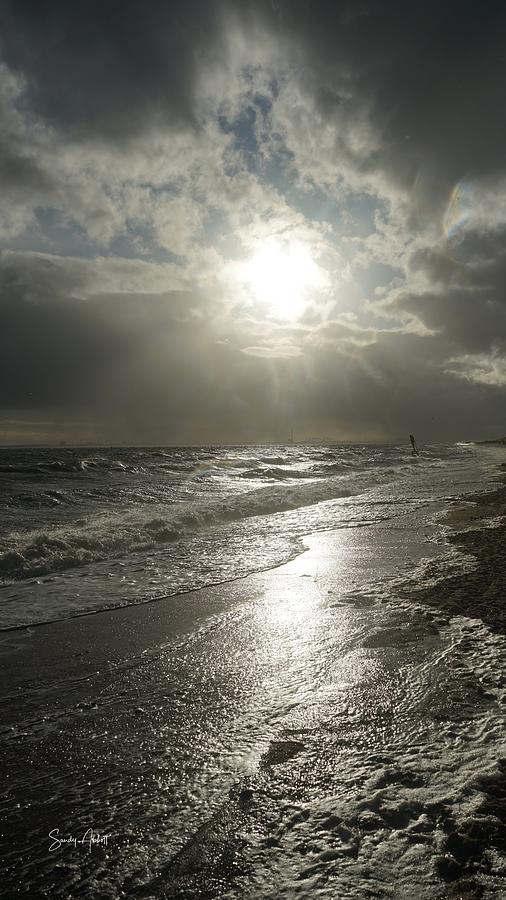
(281, 276)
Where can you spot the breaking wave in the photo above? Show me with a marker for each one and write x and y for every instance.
(41, 552)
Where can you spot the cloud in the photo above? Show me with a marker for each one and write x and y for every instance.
(141, 367)
(428, 76)
(487, 369)
(465, 302)
(279, 352)
(110, 70)
(146, 153)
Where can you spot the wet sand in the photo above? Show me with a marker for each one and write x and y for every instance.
(71, 655)
(298, 733)
(482, 592)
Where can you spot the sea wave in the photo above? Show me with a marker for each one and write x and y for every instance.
(33, 553)
(51, 467)
(277, 473)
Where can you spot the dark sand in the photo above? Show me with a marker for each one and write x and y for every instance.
(482, 593)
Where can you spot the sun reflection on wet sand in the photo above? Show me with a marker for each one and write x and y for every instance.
(306, 651)
(291, 607)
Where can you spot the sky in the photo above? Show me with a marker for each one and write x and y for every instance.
(222, 221)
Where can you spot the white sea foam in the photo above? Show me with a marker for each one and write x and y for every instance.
(109, 534)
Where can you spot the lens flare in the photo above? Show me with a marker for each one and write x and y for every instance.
(459, 210)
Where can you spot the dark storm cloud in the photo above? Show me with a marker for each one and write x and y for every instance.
(109, 68)
(22, 177)
(431, 76)
(465, 302)
(134, 363)
(473, 322)
(394, 384)
(19, 174)
(407, 383)
(60, 342)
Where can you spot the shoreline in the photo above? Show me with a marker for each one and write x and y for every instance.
(112, 636)
(493, 501)
(294, 673)
(28, 626)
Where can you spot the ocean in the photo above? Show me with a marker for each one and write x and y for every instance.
(95, 528)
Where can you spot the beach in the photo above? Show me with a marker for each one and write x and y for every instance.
(330, 727)
(252, 450)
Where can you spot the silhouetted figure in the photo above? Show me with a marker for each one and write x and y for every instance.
(414, 451)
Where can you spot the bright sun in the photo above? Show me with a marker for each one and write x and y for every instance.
(280, 276)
